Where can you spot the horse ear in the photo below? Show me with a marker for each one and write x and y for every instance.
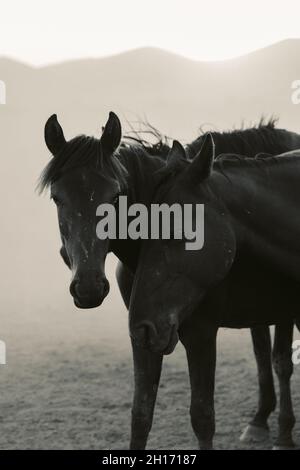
(54, 136)
(111, 135)
(201, 166)
(176, 154)
(175, 157)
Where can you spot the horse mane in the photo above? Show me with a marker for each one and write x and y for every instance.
(149, 138)
(86, 151)
(78, 152)
(262, 135)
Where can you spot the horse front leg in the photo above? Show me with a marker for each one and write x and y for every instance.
(147, 370)
(258, 429)
(200, 345)
(283, 365)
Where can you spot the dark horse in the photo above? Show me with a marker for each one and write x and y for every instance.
(86, 172)
(247, 273)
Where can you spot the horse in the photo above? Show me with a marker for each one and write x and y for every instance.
(246, 274)
(85, 172)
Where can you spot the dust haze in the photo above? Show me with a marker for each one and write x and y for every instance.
(68, 378)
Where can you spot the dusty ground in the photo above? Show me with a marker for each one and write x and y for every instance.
(68, 385)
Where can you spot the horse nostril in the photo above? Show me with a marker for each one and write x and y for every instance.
(86, 288)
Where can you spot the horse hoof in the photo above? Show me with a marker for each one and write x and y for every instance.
(287, 445)
(255, 434)
(275, 447)
(203, 445)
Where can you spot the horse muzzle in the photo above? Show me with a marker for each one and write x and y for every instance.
(89, 294)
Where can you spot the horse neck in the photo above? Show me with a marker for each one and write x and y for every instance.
(141, 181)
(261, 198)
(141, 186)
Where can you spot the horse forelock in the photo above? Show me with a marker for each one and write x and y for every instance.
(81, 151)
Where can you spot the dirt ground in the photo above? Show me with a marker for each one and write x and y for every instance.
(68, 385)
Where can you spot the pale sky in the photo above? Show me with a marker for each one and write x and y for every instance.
(45, 31)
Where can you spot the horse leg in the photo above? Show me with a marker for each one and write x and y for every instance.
(200, 345)
(258, 429)
(147, 370)
(283, 365)
(125, 281)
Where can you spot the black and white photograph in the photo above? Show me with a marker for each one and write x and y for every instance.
(150, 229)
